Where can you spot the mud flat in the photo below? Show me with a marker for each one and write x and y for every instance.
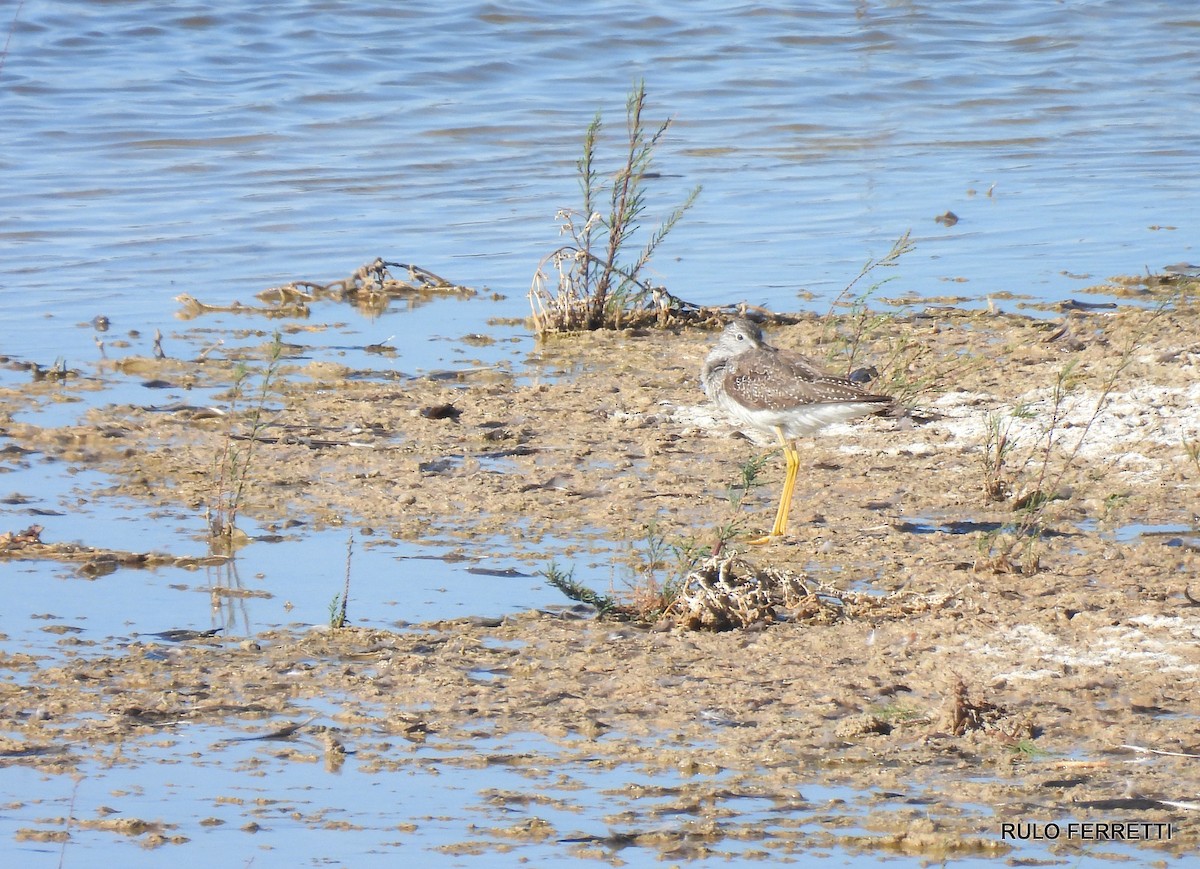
(975, 673)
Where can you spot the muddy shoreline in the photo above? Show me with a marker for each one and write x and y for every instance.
(997, 679)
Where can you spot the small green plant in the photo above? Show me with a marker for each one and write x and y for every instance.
(750, 471)
(337, 612)
(1028, 749)
(656, 548)
(1113, 503)
(998, 447)
(564, 581)
(1015, 546)
(338, 617)
(661, 572)
(749, 480)
(904, 357)
(234, 464)
(596, 287)
(897, 712)
(689, 552)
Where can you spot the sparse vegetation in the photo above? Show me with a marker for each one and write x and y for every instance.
(596, 286)
(663, 566)
(749, 480)
(565, 582)
(997, 450)
(861, 319)
(338, 617)
(1035, 476)
(1028, 749)
(899, 713)
(648, 596)
(903, 366)
(736, 496)
(659, 573)
(233, 465)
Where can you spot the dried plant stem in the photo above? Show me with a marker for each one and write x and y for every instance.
(594, 289)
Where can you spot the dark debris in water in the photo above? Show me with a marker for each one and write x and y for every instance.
(182, 635)
(506, 572)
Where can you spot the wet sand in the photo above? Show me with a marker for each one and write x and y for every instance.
(958, 668)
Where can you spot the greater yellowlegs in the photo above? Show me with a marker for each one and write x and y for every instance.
(779, 393)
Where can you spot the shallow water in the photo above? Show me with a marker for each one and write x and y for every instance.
(371, 812)
(280, 579)
(277, 804)
(149, 150)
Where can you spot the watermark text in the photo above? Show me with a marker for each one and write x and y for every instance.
(1088, 831)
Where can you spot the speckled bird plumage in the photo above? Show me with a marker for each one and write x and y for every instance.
(779, 393)
(774, 391)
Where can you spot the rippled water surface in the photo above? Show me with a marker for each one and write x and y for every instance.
(152, 149)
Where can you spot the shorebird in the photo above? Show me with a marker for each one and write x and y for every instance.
(781, 394)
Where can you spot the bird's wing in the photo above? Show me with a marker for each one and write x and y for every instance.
(775, 380)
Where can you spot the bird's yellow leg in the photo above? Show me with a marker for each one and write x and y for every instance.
(789, 486)
(779, 528)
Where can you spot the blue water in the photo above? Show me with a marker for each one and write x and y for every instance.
(150, 149)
